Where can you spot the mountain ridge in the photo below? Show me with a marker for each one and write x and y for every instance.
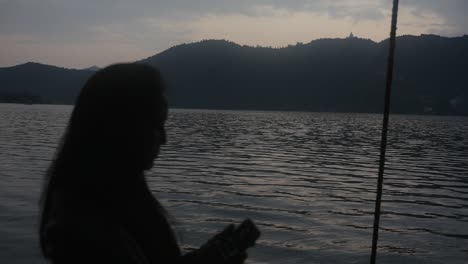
(340, 75)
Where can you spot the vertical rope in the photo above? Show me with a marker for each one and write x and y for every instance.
(383, 142)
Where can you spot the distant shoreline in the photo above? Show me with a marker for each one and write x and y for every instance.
(257, 110)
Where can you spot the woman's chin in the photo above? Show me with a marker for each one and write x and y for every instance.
(148, 165)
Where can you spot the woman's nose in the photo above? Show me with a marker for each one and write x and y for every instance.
(163, 137)
(160, 136)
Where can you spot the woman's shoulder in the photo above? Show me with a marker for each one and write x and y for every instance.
(95, 240)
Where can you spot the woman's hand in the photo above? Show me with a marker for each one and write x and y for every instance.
(239, 259)
(229, 246)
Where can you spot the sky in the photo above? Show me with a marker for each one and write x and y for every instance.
(83, 33)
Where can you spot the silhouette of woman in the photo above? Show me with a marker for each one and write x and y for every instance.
(96, 205)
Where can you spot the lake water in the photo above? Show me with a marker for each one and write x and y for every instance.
(307, 179)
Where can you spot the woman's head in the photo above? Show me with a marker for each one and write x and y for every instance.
(118, 121)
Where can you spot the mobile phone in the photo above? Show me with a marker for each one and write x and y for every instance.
(246, 234)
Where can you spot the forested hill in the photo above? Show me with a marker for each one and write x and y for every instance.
(344, 75)
(340, 75)
(39, 83)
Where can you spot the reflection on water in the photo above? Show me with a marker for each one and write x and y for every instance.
(307, 179)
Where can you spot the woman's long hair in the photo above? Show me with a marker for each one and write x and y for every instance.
(104, 148)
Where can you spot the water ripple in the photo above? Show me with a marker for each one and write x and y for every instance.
(307, 179)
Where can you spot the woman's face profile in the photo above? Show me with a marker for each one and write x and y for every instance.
(155, 138)
(159, 136)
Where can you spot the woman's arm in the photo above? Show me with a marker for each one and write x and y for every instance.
(227, 247)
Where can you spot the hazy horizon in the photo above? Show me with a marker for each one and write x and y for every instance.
(196, 41)
(80, 34)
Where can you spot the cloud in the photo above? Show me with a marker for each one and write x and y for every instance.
(61, 16)
(452, 14)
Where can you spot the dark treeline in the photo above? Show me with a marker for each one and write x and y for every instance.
(53, 85)
(339, 75)
(20, 98)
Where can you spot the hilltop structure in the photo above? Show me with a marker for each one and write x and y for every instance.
(351, 36)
